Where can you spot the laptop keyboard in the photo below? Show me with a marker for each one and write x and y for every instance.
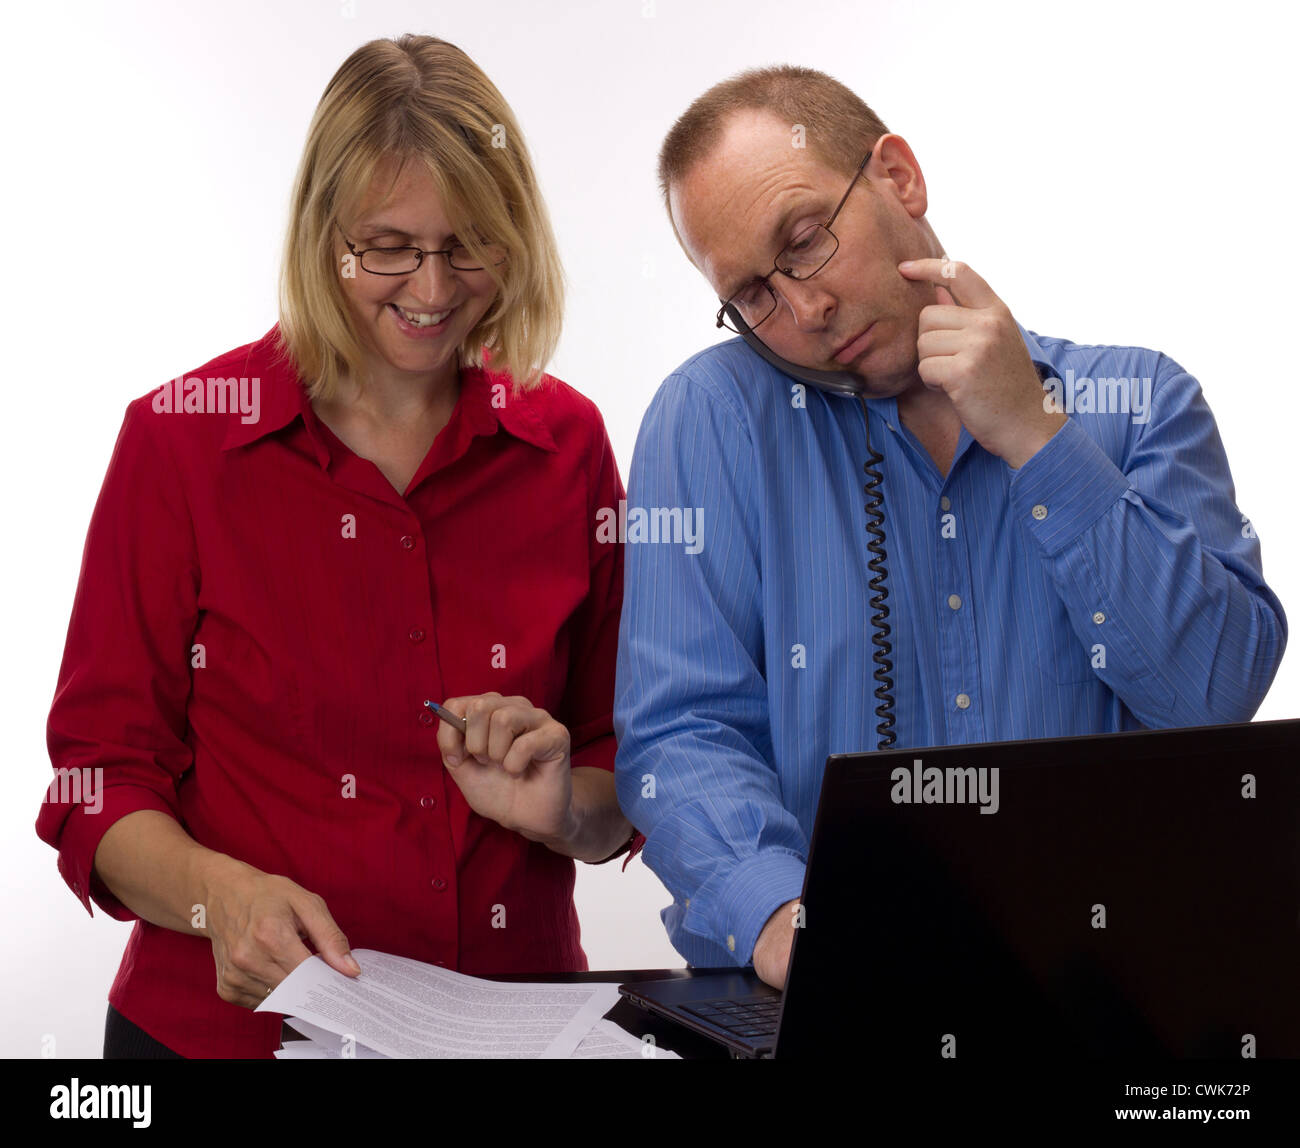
(750, 1017)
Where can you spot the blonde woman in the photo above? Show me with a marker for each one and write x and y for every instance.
(381, 502)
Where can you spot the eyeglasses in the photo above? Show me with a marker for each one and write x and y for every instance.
(801, 258)
(406, 260)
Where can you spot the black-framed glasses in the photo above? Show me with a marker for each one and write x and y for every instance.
(801, 258)
(407, 260)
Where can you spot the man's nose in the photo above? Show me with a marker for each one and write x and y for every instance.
(811, 305)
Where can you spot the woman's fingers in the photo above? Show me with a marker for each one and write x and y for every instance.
(548, 742)
(451, 742)
(258, 929)
(493, 723)
(324, 933)
(259, 955)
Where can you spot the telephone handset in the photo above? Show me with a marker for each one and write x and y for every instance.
(849, 384)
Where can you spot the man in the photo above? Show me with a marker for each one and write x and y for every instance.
(1064, 554)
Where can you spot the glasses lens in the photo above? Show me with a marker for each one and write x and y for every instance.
(462, 259)
(807, 252)
(754, 303)
(391, 260)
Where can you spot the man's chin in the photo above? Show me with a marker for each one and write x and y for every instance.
(875, 384)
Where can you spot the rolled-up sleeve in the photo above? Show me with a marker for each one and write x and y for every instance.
(116, 731)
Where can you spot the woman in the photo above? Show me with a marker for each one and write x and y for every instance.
(301, 542)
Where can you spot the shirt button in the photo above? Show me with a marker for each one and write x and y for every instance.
(954, 601)
(76, 888)
(408, 543)
(1039, 512)
(441, 964)
(426, 718)
(1099, 617)
(731, 943)
(417, 635)
(963, 701)
(439, 884)
(687, 902)
(945, 503)
(428, 802)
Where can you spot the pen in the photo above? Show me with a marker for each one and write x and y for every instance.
(447, 716)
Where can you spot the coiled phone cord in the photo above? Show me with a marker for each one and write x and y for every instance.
(879, 592)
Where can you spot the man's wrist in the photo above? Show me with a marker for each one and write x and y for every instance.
(1040, 431)
(774, 927)
(755, 890)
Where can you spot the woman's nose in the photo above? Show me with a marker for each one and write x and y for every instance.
(433, 281)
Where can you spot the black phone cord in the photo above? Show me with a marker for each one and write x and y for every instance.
(879, 592)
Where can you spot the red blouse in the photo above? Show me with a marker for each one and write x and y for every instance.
(259, 619)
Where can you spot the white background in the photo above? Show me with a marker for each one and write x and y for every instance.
(1120, 173)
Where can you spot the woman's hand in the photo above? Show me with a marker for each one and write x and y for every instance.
(257, 923)
(512, 765)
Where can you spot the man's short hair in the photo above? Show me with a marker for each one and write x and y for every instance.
(838, 127)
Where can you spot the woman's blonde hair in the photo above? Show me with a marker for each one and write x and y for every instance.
(418, 99)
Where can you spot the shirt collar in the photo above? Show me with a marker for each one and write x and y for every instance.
(887, 408)
(488, 400)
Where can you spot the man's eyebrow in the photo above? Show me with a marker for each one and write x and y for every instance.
(774, 237)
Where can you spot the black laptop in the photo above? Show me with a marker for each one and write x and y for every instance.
(1131, 895)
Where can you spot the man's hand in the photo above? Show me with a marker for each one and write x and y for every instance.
(512, 765)
(772, 950)
(969, 347)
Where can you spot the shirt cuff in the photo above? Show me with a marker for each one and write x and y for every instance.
(638, 840)
(1065, 488)
(80, 837)
(632, 846)
(757, 887)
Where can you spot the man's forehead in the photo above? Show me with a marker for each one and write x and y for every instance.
(726, 203)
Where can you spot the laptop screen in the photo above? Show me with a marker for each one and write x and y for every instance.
(1119, 895)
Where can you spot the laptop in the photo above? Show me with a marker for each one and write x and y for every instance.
(1132, 895)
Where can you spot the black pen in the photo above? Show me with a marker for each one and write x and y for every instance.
(447, 716)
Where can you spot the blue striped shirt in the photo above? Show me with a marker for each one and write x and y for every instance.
(1110, 583)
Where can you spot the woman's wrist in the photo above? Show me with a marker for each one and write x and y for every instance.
(211, 873)
(595, 826)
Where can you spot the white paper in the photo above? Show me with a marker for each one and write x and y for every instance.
(302, 1050)
(409, 1010)
(607, 1041)
(332, 1042)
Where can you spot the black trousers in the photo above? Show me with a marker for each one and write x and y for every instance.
(126, 1041)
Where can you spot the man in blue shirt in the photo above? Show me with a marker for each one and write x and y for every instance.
(1065, 555)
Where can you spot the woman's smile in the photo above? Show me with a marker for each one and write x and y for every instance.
(421, 324)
